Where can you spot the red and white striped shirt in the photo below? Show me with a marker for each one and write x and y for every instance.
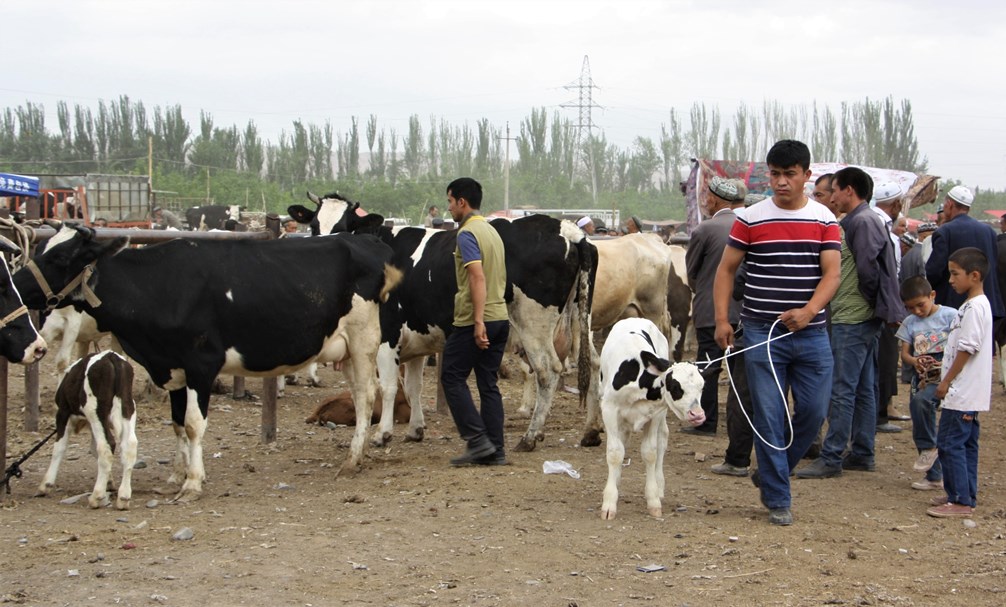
(783, 254)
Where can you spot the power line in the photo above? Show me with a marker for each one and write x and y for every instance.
(584, 86)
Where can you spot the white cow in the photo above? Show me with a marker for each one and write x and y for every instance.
(638, 385)
(97, 391)
(74, 332)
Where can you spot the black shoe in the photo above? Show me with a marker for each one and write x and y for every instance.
(496, 459)
(857, 464)
(478, 448)
(819, 469)
(756, 479)
(780, 516)
(697, 431)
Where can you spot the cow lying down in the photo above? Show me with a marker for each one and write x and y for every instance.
(97, 391)
(638, 386)
(340, 410)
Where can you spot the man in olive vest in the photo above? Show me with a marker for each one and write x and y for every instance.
(481, 328)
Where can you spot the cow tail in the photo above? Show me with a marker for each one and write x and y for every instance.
(392, 276)
(585, 291)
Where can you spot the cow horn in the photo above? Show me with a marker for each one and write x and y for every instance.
(52, 223)
(313, 198)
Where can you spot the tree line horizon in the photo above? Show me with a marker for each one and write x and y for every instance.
(406, 171)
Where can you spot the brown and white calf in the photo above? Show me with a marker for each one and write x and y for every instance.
(638, 385)
(97, 391)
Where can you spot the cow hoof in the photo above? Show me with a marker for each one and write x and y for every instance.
(43, 490)
(190, 492)
(591, 438)
(315, 383)
(415, 436)
(349, 468)
(122, 504)
(607, 514)
(381, 440)
(656, 512)
(525, 446)
(97, 502)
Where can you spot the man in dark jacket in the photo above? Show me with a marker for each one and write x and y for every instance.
(960, 230)
(705, 248)
(868, 296)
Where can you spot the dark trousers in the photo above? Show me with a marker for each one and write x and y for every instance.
(460, 357)
(738, 427)
(711, 374)
(887, 371)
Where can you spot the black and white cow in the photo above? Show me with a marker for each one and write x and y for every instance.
(638, 386)
(189, 310)
(97, 392)
(19, 341)
(550, 270)
(211, 216)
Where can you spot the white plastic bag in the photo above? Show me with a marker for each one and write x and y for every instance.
(559, 467)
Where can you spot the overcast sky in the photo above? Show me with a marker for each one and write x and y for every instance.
(278, 61)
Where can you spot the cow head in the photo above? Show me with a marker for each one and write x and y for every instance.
(680, 386)
(65, 259)
(19, 341)
(335, 214)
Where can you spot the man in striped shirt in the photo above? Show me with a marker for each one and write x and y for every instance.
(792, 248)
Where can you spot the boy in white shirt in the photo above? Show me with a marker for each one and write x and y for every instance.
(965, 387)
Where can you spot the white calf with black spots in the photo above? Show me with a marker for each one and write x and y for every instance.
(97, 392)
(638, 385)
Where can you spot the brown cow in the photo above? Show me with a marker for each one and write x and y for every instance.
(340, 410)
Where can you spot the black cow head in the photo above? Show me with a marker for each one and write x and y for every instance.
(19, 341)
(335, 214)
(60, 261)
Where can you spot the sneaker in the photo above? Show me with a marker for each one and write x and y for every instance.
(728, 470)
(849, 463)
(697, 432)
(927, 485)
(888, 428)
(780, 516)
(819, 469)
(939, 500)
(949, 510)
(926, 460)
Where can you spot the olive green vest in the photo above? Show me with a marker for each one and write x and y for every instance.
(494, 268)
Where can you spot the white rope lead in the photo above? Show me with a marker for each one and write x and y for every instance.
(782, 394)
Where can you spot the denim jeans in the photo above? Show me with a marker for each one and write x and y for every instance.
(852, 416)
(460, 357)
(803, 362)
(957, 441)
(922, 407)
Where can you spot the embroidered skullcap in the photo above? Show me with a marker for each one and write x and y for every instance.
(929, 226)
(583, 221)
(961, 195)
(908, 239)
(751, 199)
(731, 190)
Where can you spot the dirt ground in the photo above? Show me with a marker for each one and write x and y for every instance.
(275, 527)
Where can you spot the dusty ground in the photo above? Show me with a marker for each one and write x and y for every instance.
(275, 527)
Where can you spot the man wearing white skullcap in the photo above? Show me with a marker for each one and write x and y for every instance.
(886, 202)
(960, 230)
(586, 224)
